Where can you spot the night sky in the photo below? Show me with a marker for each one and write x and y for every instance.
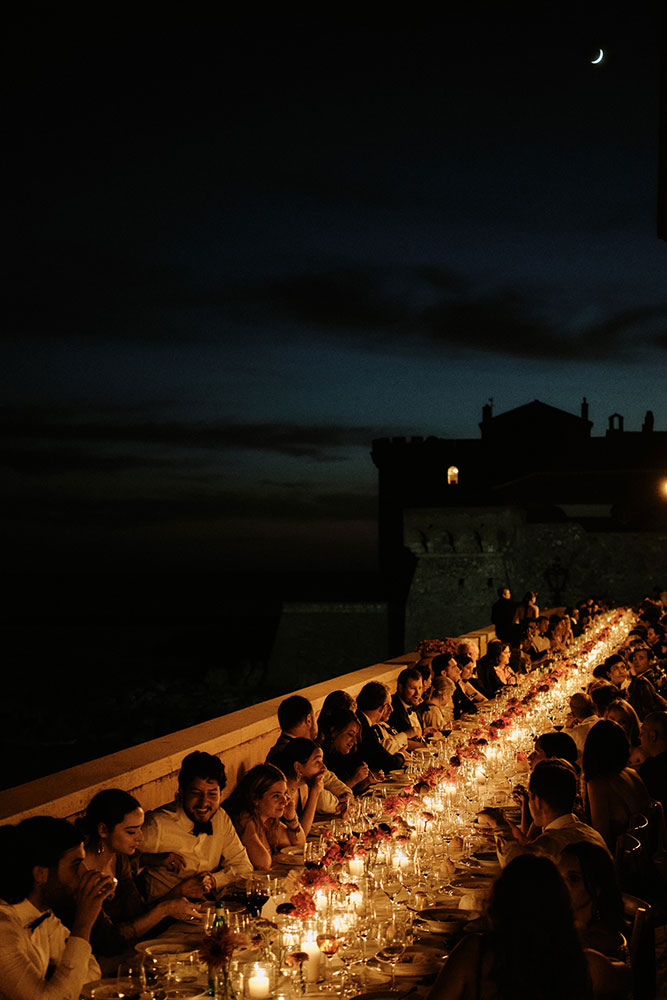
(241, 248)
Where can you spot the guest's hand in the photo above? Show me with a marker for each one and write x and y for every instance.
(317, 784)
(289, 812)
(172, 861)
(93, 889)
(197, 886)
(491, 818)
(360, 774)
(182, 909)
(343, 806)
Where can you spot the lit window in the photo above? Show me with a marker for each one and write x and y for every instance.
(452, 476)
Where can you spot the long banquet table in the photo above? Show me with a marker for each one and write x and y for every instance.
(407, 871)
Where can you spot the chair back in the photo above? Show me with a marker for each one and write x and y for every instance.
(641, 946)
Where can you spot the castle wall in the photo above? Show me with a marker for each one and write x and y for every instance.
(464, 555)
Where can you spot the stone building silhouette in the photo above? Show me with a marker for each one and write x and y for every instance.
(536, 502)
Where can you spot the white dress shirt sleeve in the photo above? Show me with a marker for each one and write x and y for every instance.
(22, 958)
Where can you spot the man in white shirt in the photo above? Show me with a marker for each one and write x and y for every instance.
(43, 868)
(551, 795)
(581, 719)
(192, 843)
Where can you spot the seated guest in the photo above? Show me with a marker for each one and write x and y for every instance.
(559, 632)
(602, 693)
(531, 949)
(205, 850)
(493, 669)
(341, 754)
(614, 791)
(426, 671)
(539, 647)
(264, 815)
(615, 670)
(623, 714)
(448, 666)
(42, 870)
(469, 682)
(552, 792)
(297, 720)
(581, 720)
(548, 746)
(112, 835)
(520, 662)
(302, 763)
(467, 650)
(390, 738)
(641, 692)
(334, 701)
(553, 745)
(597, 904)
(373, 704)
(653, 771)
(405, 701)
(437, 711)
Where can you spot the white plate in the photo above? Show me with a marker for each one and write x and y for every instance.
(418, 961)
(476, 883)
(165, 946)
(107, 989)
(290, 856)
(445, 919)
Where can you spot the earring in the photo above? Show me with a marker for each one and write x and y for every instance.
(100, 848)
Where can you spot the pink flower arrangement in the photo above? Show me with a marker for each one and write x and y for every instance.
(317, 878)
(219, 945)
(304, 905)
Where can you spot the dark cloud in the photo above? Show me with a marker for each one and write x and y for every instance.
(319, 443)
(425, 308)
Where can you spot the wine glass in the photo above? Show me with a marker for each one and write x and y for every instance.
(393, 947)
(329, 940)
(351, 952)
(131, 979)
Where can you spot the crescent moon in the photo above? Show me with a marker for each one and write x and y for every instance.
(600, 57)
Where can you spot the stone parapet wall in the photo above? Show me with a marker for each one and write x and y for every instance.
(149, 771)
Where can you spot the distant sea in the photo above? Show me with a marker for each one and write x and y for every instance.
(94, 664)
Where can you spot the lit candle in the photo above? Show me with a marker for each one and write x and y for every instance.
(356, 866)
(312, 966)
(321, 900)
(258, 984)
(357, 900)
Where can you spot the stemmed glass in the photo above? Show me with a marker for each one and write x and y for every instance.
(393, 947)
(329, 940)
(391, 883)
(131, 979)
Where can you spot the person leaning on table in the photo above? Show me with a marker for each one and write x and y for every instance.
(42, 869)
(191, 846)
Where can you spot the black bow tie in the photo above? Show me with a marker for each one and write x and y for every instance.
(34, 924)
(206, 827)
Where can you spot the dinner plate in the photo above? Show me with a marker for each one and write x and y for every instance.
(445, 919)
(417, 961)
(290, 856)
(162, 946)
(107, 989)
(379, 994)
(475, 882)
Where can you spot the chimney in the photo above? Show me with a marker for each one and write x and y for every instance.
(584, 409)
